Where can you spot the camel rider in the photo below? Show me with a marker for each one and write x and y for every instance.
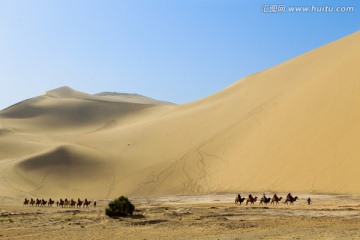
(250, 196)
(275, 196)
(264, 196)
(239, 196)
(289, 196)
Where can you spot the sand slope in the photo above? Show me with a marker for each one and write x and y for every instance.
(293, 127)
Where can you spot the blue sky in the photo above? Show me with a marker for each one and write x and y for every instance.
(173, 50)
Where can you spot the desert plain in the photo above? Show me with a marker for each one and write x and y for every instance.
(213, 216)
(290, 128)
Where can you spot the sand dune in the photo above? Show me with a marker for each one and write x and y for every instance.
(67, 168)
(132, 98)
(293, 127)
(65, 108)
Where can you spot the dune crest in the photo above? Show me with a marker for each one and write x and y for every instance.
(67, 92)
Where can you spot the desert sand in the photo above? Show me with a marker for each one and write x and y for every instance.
(291, 128)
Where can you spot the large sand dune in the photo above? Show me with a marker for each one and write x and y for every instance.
(293, 127)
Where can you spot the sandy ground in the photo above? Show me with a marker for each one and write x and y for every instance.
(189, 217)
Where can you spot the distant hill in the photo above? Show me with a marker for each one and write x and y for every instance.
(65, 107)
(131, 97)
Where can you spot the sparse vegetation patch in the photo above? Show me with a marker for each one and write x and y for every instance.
(120, 207)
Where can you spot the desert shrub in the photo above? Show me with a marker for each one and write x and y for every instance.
(120, 207)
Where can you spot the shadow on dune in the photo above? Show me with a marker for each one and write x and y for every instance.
(66, 169)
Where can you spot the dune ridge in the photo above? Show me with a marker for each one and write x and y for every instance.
(293, 127)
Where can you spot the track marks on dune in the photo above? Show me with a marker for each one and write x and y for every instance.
(194, 166)
(201, 183)
(190, 168)
(189, 173)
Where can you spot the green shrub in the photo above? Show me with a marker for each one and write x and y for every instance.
(120, 207)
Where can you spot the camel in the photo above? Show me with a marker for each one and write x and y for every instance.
(62, 202)
(72, 203)
(69, 203)
(66, 202)
(238, 199)
(50, 202)
(86, 203)
(264, 200)
(291, 200)
(43, 202)
(251, 200)
(79, 203)
(276, 199)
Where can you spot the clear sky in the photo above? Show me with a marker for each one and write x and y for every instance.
(173, 50)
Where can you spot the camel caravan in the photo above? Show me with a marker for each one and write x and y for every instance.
(62, 203)
(265, 200)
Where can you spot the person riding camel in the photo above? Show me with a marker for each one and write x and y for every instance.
(264, 196)
(289, 196)
(250, 196)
